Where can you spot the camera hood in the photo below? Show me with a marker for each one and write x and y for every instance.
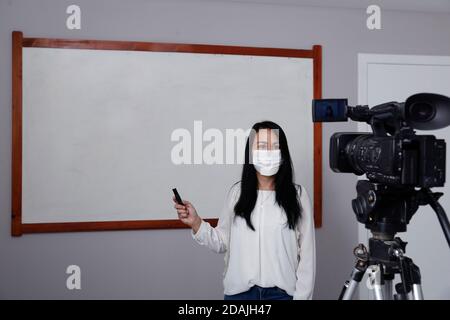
(427, 111)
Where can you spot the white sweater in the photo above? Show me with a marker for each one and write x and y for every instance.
(272, 255)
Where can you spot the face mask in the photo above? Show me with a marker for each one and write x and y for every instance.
(267, 162)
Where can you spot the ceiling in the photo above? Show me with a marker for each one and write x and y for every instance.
(435, 6)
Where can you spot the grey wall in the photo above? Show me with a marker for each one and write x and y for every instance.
(167, 263)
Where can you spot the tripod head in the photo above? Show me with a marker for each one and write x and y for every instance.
(387, 209)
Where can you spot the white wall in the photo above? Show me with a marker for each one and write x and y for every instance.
(166, 263)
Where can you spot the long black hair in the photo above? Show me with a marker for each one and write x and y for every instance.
(285, 189)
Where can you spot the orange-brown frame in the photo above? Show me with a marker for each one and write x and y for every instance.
(18, 42)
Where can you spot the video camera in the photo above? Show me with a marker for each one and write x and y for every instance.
(394, 159)
(393, 154)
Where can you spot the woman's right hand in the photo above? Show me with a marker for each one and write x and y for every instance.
(188, 215)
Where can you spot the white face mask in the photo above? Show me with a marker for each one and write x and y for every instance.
(267, 162)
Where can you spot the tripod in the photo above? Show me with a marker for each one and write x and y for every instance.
(384, 260)
(386, 211)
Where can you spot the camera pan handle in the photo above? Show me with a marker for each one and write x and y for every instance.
(442, 216)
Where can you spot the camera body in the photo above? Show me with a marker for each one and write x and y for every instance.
(402, 159)
(395, 160)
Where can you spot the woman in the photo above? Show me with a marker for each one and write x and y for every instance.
(266, 228)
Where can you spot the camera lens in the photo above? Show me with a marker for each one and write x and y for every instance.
(422, 112)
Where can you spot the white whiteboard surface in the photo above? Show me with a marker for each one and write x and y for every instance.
(97, 128)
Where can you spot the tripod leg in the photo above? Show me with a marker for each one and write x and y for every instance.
(376, 281)
(388, 277)
(416, 280)
(350, 285)
(388, 290)
(417, 292)
(411, 279)
(360, 268)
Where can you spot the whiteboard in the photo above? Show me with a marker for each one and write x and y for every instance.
(97, 127)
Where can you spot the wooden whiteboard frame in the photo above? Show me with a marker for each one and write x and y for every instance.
(19, 42)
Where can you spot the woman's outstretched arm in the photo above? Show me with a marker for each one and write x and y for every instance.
(215, 238)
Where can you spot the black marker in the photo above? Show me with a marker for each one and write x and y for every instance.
(177, 196)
